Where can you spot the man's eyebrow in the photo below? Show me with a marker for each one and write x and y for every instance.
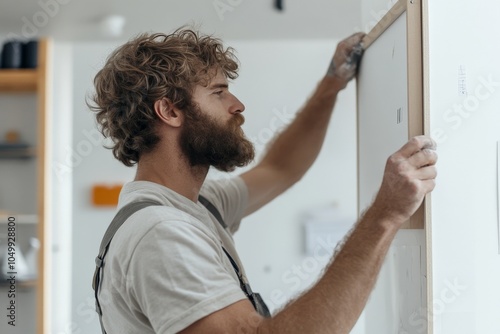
(218, 85)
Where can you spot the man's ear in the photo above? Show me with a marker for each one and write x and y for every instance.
(168, 113)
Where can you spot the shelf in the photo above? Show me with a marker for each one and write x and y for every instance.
(18, 154)
(18, 80)
(23, 219)
(16, 151)
(28, 284)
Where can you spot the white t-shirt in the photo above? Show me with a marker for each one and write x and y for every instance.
(165, 267)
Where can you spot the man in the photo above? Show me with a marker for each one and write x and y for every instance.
(165, 103)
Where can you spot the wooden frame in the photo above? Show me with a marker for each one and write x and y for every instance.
(415, 73)
(426, 129)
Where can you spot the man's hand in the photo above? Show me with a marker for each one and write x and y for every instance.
(346, 58)
(409, 175)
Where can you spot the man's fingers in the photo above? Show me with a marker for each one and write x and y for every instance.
(352, 45)
(426, 173)
(346, 46)
(346, 57)
(415, 145)
(424, 157)
(353, 40)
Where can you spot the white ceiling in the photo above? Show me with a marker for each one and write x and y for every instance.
(243, 19)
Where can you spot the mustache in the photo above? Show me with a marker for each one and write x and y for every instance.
(237, 120)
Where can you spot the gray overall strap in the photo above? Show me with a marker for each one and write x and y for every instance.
(120, 218)
(213, 210)
(255, 298)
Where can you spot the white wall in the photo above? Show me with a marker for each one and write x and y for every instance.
(465, 233)
(276, 77)
(91, 164)
(61, 131)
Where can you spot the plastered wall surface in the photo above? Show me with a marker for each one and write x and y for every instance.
(276, 78)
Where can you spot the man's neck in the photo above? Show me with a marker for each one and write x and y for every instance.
(173, 173)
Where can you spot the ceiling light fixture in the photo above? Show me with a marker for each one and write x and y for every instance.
(112, 25)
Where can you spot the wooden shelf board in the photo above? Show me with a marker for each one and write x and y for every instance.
(18, 154)
(20, 218)
(22, 80)
(29, 284)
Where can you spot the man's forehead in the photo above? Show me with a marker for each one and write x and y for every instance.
(213, 80)
(218, 79)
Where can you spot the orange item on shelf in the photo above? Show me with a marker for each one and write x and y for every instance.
(105, 195)
(12, 136)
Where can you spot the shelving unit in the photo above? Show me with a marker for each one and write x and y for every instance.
(18, 80)
(31, 82)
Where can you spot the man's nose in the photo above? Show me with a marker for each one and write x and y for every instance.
(237, 106)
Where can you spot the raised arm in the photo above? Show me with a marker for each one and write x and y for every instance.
(295, 149)
(334, 304)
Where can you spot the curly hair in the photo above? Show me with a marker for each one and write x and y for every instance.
(146, 69)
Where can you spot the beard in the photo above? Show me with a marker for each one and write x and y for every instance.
(207, 142)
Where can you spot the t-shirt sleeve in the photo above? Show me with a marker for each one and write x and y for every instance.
(177, 276)
(230, 197)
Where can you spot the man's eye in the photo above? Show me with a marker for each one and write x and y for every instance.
(218, 92)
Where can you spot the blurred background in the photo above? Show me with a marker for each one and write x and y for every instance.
(284, 48)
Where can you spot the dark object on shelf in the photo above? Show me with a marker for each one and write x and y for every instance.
(278, 4)
(30, 54)
(12, 54)
(16, 151)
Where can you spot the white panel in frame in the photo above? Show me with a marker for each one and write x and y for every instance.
(390, 97)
